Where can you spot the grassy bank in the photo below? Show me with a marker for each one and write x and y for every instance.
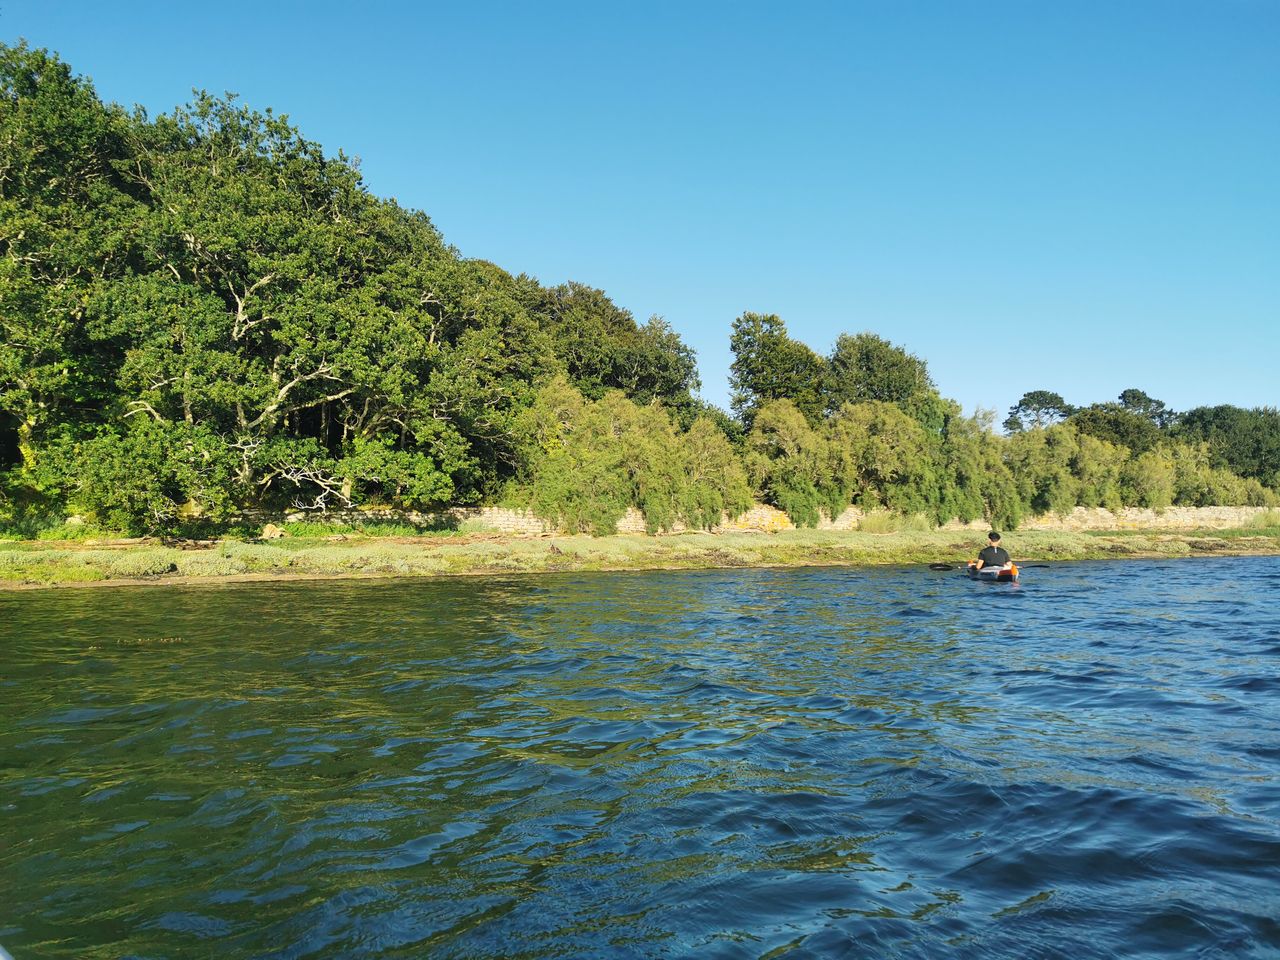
(38, 564)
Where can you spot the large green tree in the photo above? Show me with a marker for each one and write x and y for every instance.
(865, 367)
(769, 365)
(1116, 424)
(603, 348)
(1144, 405)
(67, 219)
(1245, 441)
(1037, 409)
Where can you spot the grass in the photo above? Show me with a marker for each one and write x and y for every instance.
(75, 532)
(317, 530)
(35, 563)
(1267, 520)
(882, 521)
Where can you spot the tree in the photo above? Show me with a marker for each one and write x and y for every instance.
(976, 481)
(1037, 409)
(865, 367)
(657, 365)
(1115, 424)
(769, 365)
(1136, 401)
(1247, 442)
(66, 218)
(591, 460)
(787, 461)
(882, 457)
(603, 348)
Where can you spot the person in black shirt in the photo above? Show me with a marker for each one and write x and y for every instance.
(994, 555)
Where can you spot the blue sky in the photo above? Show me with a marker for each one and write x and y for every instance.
(1080, 197)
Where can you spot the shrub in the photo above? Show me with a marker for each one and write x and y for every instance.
(256, 556)
(138, 563)
(879, 521)
(208, 563)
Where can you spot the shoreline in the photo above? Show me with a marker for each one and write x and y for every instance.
(28, 565)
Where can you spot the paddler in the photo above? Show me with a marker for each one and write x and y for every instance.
(994, 555)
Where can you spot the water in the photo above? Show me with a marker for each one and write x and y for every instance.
(812, 763)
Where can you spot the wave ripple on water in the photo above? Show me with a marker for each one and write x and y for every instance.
(824, 762)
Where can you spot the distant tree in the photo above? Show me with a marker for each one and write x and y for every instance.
(1037, 409)
(1114, 424)
(656, 364)
(603, 348)
(882, 456)
(1247, 442)
(865, 367)
(769, 365)
(591, 460)
(586, 327)
(1136, 401)
(976, 480)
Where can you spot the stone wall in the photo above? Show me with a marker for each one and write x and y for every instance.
(481, 519)
(761, 517)
(1137, 518)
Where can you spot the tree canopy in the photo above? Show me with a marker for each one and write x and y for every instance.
(203, 313)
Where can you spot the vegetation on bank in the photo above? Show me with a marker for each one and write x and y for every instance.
(201, 314)
(46, 564)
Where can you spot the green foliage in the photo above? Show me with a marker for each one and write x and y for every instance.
(865, 368)
(1151, 477)
(591, 460)
(1269, 520)
(201, 313)
(884, 457)
(1042, 460)
(312, 529)
(976, 481)
(1116, 425)
(715, 480)
(603, 348)
(66, 217)
(883, 521)
(1144, 405)
(787, 460)
(769, 365)
(1036, 410)
(140, 563)
(151, 477)
(1246, 442)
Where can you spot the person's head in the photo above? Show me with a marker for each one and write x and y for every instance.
(994, 538)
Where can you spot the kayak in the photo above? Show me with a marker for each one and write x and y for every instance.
(993, 574)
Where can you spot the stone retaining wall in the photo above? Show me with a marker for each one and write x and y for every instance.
(1138, 518)
(761, 517)
(496, 519)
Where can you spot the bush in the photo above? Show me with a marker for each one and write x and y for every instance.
(208, 563)
(138, 563)
(255, 556)
(879, 521)
(1267, 520)
(591, 461)
(154, 477)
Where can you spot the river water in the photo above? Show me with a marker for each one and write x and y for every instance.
(826, 762)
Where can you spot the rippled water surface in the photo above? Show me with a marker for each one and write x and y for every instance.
(804, 763)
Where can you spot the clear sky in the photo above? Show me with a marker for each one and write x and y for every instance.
(1079, 197)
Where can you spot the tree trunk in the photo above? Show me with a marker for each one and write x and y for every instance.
(26, 443)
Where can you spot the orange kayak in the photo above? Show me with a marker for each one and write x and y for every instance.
(996, 574)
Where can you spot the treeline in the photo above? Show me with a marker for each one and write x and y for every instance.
(202, 313)
(866, 425)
